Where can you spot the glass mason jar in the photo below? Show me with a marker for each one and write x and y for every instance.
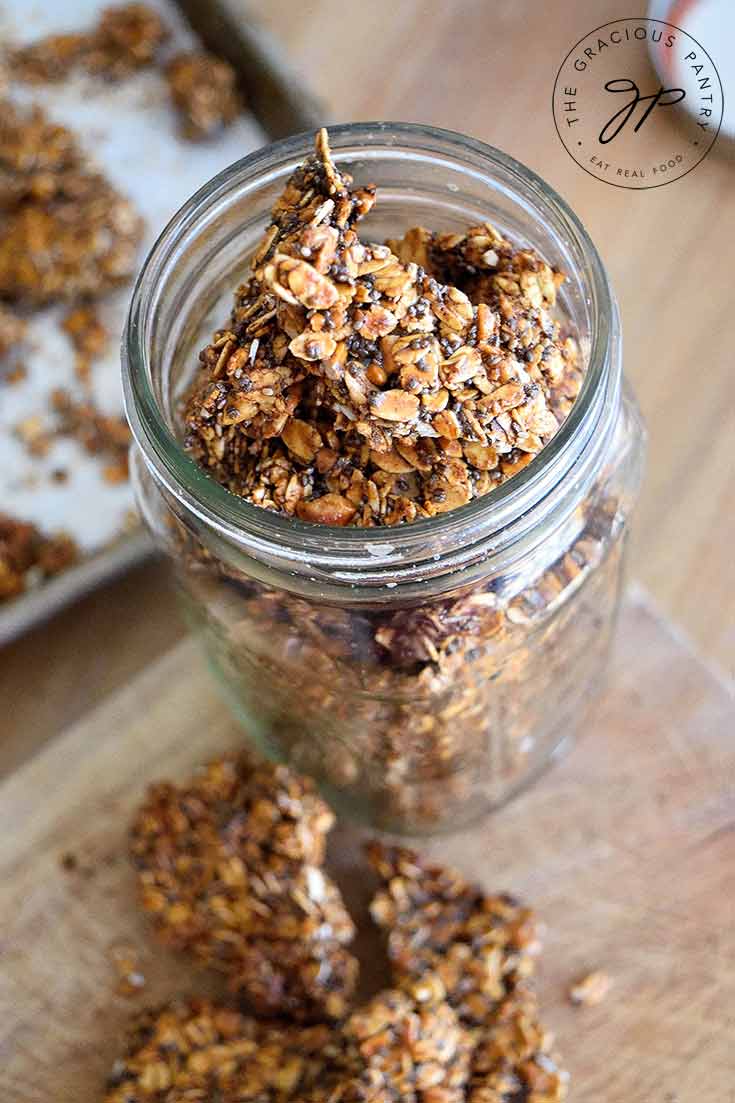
(421, 673)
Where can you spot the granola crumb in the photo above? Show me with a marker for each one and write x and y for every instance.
(125, 960)
(260, 907)
(204, 92)
(591, 989)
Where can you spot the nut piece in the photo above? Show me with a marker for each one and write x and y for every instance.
(590, 989)
(330, 509)
(296, 281)
(229, 869)
(301, 439)
(394, 405)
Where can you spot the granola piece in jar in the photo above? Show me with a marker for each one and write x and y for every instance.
(480, 946)
(229, 869)
(513, 1057)
(196, 1050)
(412, 403)
(408, 1045)
(204, 92)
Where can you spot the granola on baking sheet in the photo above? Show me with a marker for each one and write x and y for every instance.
(125, 38)
(65, 232)
(352, 387)
(229, 869)
(204, 91)
(27, 556)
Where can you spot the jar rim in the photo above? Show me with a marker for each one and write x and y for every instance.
(355, 554)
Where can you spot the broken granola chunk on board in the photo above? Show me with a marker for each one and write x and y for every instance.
(480, 946)
(513, 1057)
(406, 1045)
(229, 869)
(353, 387)
(203, 90)
(197, 1051)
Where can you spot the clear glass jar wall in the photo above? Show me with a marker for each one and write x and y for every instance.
(422, 673)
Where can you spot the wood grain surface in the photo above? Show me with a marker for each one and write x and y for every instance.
(625, 849)
(487, 68)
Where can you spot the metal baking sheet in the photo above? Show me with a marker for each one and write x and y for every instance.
(130, 130)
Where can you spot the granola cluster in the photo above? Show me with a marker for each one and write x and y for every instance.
(65, 232)
(104, 435)
(125, 38)
(204, 92)
(481, 950)
(230, 869)
(27, 556)
(353, 386)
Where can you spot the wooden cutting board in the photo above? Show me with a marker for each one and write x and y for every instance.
(627, 849)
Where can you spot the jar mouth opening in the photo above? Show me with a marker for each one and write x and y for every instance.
(258, 529)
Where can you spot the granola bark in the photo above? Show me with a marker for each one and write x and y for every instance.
(229, 869)
(514, 1059)
(481, 947)
(405, 1044)
(197, 1051)
(353, 388)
